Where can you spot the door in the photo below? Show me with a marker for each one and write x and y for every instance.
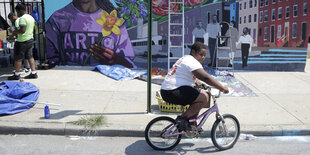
(303, 31)
(286, 30)
(272, 35)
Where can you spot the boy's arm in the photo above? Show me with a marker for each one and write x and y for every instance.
(205, 77)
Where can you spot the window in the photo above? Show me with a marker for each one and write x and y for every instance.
(250, 18)
(254, 34)
(280, 13)
(266, 16)
(251, 4)
(273, 14)
(209, 16)
(250, 31)
(294, 30)
(273, 1)
(305, 8)
(255, 3)
(279, 31)
(240, 6)
(265, 33)
(259, 32)
(266, 2)
(280, 0)
(218, 15)
(244, 19)
(255, 17)
(261, 4)
(261, 16)
(295, 8)
(240, 20)
(244, 5)
(287, 12)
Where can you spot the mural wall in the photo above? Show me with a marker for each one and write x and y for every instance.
(91, 32)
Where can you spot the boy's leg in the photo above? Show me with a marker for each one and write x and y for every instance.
(202, 101)
(32, 64)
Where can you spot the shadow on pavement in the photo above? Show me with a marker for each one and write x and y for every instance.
(125, 113)
(63, 114)
(183, 148)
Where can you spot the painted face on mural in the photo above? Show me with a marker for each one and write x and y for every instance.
(199, 25)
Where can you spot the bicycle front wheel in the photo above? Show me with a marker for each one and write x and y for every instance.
(158, 133)
(225, 139)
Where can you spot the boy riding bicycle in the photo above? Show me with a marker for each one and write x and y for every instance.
(179, 85)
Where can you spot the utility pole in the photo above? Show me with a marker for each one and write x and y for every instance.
(149, 56)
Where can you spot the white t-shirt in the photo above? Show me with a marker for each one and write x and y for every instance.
(181, 73)
(213, 29)
(198, 33)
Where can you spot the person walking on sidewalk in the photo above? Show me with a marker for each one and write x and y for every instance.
(179, 85)
(246, 46)
(24, 43)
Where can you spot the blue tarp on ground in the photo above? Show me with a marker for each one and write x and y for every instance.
(118, 72)
(15, 97)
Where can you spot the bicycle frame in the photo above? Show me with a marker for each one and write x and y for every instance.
(205, 116)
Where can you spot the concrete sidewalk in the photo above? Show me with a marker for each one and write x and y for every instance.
(281, 107)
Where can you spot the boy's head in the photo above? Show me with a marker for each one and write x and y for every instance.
(12, 17)
(245, 31)
(214, 18)
(199, 24)
(20, 9)
(199, 51)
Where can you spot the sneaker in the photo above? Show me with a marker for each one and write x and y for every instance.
(31, 76)
(27, 70)
(14, 77)
(183, 123)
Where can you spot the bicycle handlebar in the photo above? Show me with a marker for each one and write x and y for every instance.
(208, 88)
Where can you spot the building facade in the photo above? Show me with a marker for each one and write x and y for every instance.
(248, 17)
(283, 23)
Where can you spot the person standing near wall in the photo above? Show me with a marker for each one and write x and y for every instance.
(246, 46)
(24, 43)
(214, 30)
(233, 33)
(15, 25)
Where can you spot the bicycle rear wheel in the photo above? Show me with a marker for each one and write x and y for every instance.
(156, 133)
(225, 140)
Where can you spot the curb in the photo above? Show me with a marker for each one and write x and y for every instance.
(65, 129)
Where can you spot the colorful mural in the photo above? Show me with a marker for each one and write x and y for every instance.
(91, 32)
(88, 32)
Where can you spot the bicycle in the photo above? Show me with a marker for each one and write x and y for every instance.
(162, 133)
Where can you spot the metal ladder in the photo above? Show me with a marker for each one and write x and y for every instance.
(175, 26)
(229, 48)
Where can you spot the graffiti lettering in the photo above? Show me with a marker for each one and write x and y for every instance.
(81, 40)
(76, 57)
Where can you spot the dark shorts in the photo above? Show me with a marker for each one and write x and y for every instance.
(184, 95)
(23, 50)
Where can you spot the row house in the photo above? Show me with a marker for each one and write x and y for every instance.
(248, 17)
(283, 23)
